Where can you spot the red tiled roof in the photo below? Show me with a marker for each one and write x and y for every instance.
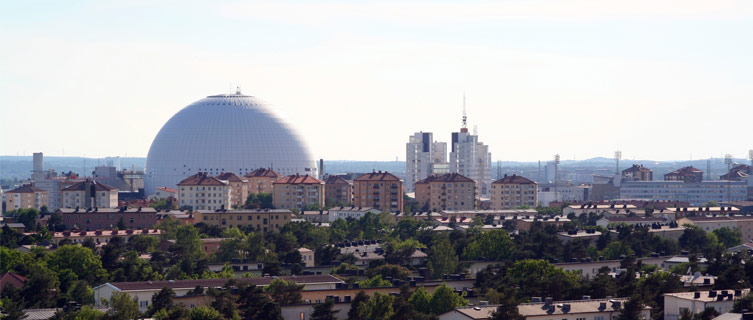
(201, 179)
(685, 171)
(98, 186)
(447, 177)
(14, 276)
(262, 172)
(514, 179)
(299, 179)
(185, 284)
(336, 180)
(167, 189)
(229, 176)
(378, 176)
(27, 188)
(637, 168)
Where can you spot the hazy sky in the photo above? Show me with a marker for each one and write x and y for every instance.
(654, 78)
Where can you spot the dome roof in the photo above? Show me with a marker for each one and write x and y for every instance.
(224, 133)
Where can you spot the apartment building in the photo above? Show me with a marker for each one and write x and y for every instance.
(90, 194)
(338, 191)
(638, 173)
(513, 191)
(298, 192)
(472, 158)
(260, 219)
(380, 190)
(450, 191)
(685, 174)
(743, 223)
(238, 188)
(204, 192)
(694, 193)
(423, 157)
(26, 197)
(107, 218)
(261, 180)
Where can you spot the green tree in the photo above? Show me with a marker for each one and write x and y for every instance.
(285, 292)
(614, 250)
(495, 245)
(87, 313)
(204, 313)
(223, 300)
(28, 217)
(541, 278)
(379, 307)
(253, 303)
(390, 270)
(442, 257)
(360, 299)
(508, 306)
(728, 237)
(375, 282)
(632, 309)
(122, 307)
(13, 310)
(161, 300)
(421, 300)
(444, 299)
(41, 287)
(323, 311)
(84, 263)
(81, 292)
(744, 303)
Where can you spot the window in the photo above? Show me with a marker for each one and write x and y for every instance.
(143, 304)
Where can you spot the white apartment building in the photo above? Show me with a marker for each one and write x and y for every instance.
(696, 193)
(90, 194)
(472, 159)
(423, 157)
(204, 192)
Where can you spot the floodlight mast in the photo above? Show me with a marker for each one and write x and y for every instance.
(617, 158)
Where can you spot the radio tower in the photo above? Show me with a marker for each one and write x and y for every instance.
(556, 164)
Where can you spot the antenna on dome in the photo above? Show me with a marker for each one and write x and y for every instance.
(238, 90)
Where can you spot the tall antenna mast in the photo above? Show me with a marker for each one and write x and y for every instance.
(556, 164)
(728, 162)
(465, 119)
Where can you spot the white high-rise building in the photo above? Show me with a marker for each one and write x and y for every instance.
(423, 157)
(471, 158)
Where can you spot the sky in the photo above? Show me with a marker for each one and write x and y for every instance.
(656, 79)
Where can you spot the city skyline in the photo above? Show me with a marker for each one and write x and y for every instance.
(580, 79)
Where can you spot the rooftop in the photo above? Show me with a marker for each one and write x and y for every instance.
(108, 210)
(201, 179)
(378, 176)
(571, 307)
(81, 186)
(447, 177)
(214, 283)
(299, 179)
(27, 188)
(262, 172)
(229, 176)
(709, 296)
(336, 180)
(514, 179)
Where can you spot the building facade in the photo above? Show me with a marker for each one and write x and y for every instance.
(514, 191)
(423, 157)
(685, 174)
(26, 197)
(238, 188)
(338, 191)
(262, 180)
(450, 191)
(298, 192)
(108, 218)
(90, 194)
(694, 193)
(472, 159)
(638, 173)
(264, 220)
(379, 190)
(204, 192)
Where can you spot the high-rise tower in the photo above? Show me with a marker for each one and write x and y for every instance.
(471, 158)
(423, 157)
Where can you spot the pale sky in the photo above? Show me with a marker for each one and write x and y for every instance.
(657, 79)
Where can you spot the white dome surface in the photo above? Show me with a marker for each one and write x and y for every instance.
(224, 133)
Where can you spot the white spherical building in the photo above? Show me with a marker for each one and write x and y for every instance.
(224, 133)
